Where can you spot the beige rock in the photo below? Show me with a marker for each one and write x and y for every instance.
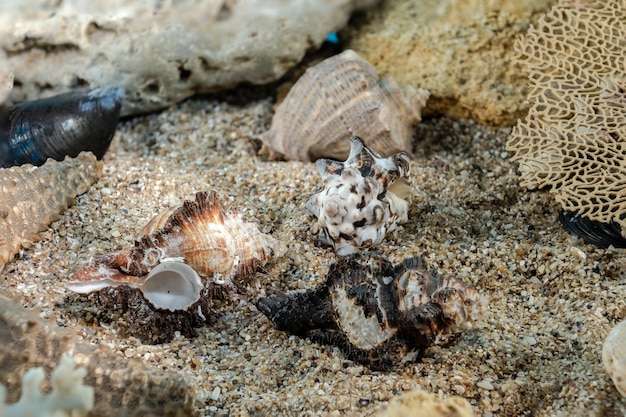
(6, 78)
(459, 50)
(161, 52)
(421, 403)
(614, 356)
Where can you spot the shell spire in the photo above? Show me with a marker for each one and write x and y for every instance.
(377, 312)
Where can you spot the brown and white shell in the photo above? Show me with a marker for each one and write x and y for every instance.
(337, 99)
(377, 312)
(218, 245)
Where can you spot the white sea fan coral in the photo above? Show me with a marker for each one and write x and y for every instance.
(68, 393)
(573, 139)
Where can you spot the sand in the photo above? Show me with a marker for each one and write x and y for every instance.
(553, 298)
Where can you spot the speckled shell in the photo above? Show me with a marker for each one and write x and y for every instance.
(376, 312)
(363, 198)
(337, 99)
(33, 197)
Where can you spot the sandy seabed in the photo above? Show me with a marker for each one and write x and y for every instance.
(552, 298)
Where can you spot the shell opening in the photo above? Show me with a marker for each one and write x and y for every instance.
(172, 286)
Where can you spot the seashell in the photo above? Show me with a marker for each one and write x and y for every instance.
(33, 197)
(216, 244)
(363, 198)
(376, 312)
(614, 356)
(595, 232)
(59, 126)
(337, 99)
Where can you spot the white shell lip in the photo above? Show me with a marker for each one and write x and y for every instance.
(172, 286)
(169, 286)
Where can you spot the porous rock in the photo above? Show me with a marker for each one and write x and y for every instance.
(122, 387)
(459, 50)
(161, 52)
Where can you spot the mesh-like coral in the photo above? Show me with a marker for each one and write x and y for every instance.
(573, 140)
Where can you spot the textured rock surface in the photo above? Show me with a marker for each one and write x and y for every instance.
(459, 50)
(614, 356)
(123, 387)
(34, 197)
(161, 52)
(6, 78)
(572, 141)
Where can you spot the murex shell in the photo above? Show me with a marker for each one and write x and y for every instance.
(363, 198)
(179, 251)
(60, 126)
(33, 197)
(376, 312)
(337, 99)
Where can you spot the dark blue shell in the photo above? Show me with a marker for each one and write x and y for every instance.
(60, 126)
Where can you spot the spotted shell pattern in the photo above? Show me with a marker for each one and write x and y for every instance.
(377, 312)
(359, 204)
(337, 99)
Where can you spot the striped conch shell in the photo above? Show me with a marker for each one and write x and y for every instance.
(183, 247)
(337, 99)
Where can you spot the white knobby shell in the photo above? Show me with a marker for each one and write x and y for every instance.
(358, 206)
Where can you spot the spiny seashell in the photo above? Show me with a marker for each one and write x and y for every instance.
(363, 198)
(218, 245)
(375, 312)
(337, 99)
(33, 197)
(60, 126)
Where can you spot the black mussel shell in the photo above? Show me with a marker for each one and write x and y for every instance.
(60, 126)
(600, 234)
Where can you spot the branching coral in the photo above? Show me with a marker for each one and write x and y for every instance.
(574, 137)
(68, 393)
